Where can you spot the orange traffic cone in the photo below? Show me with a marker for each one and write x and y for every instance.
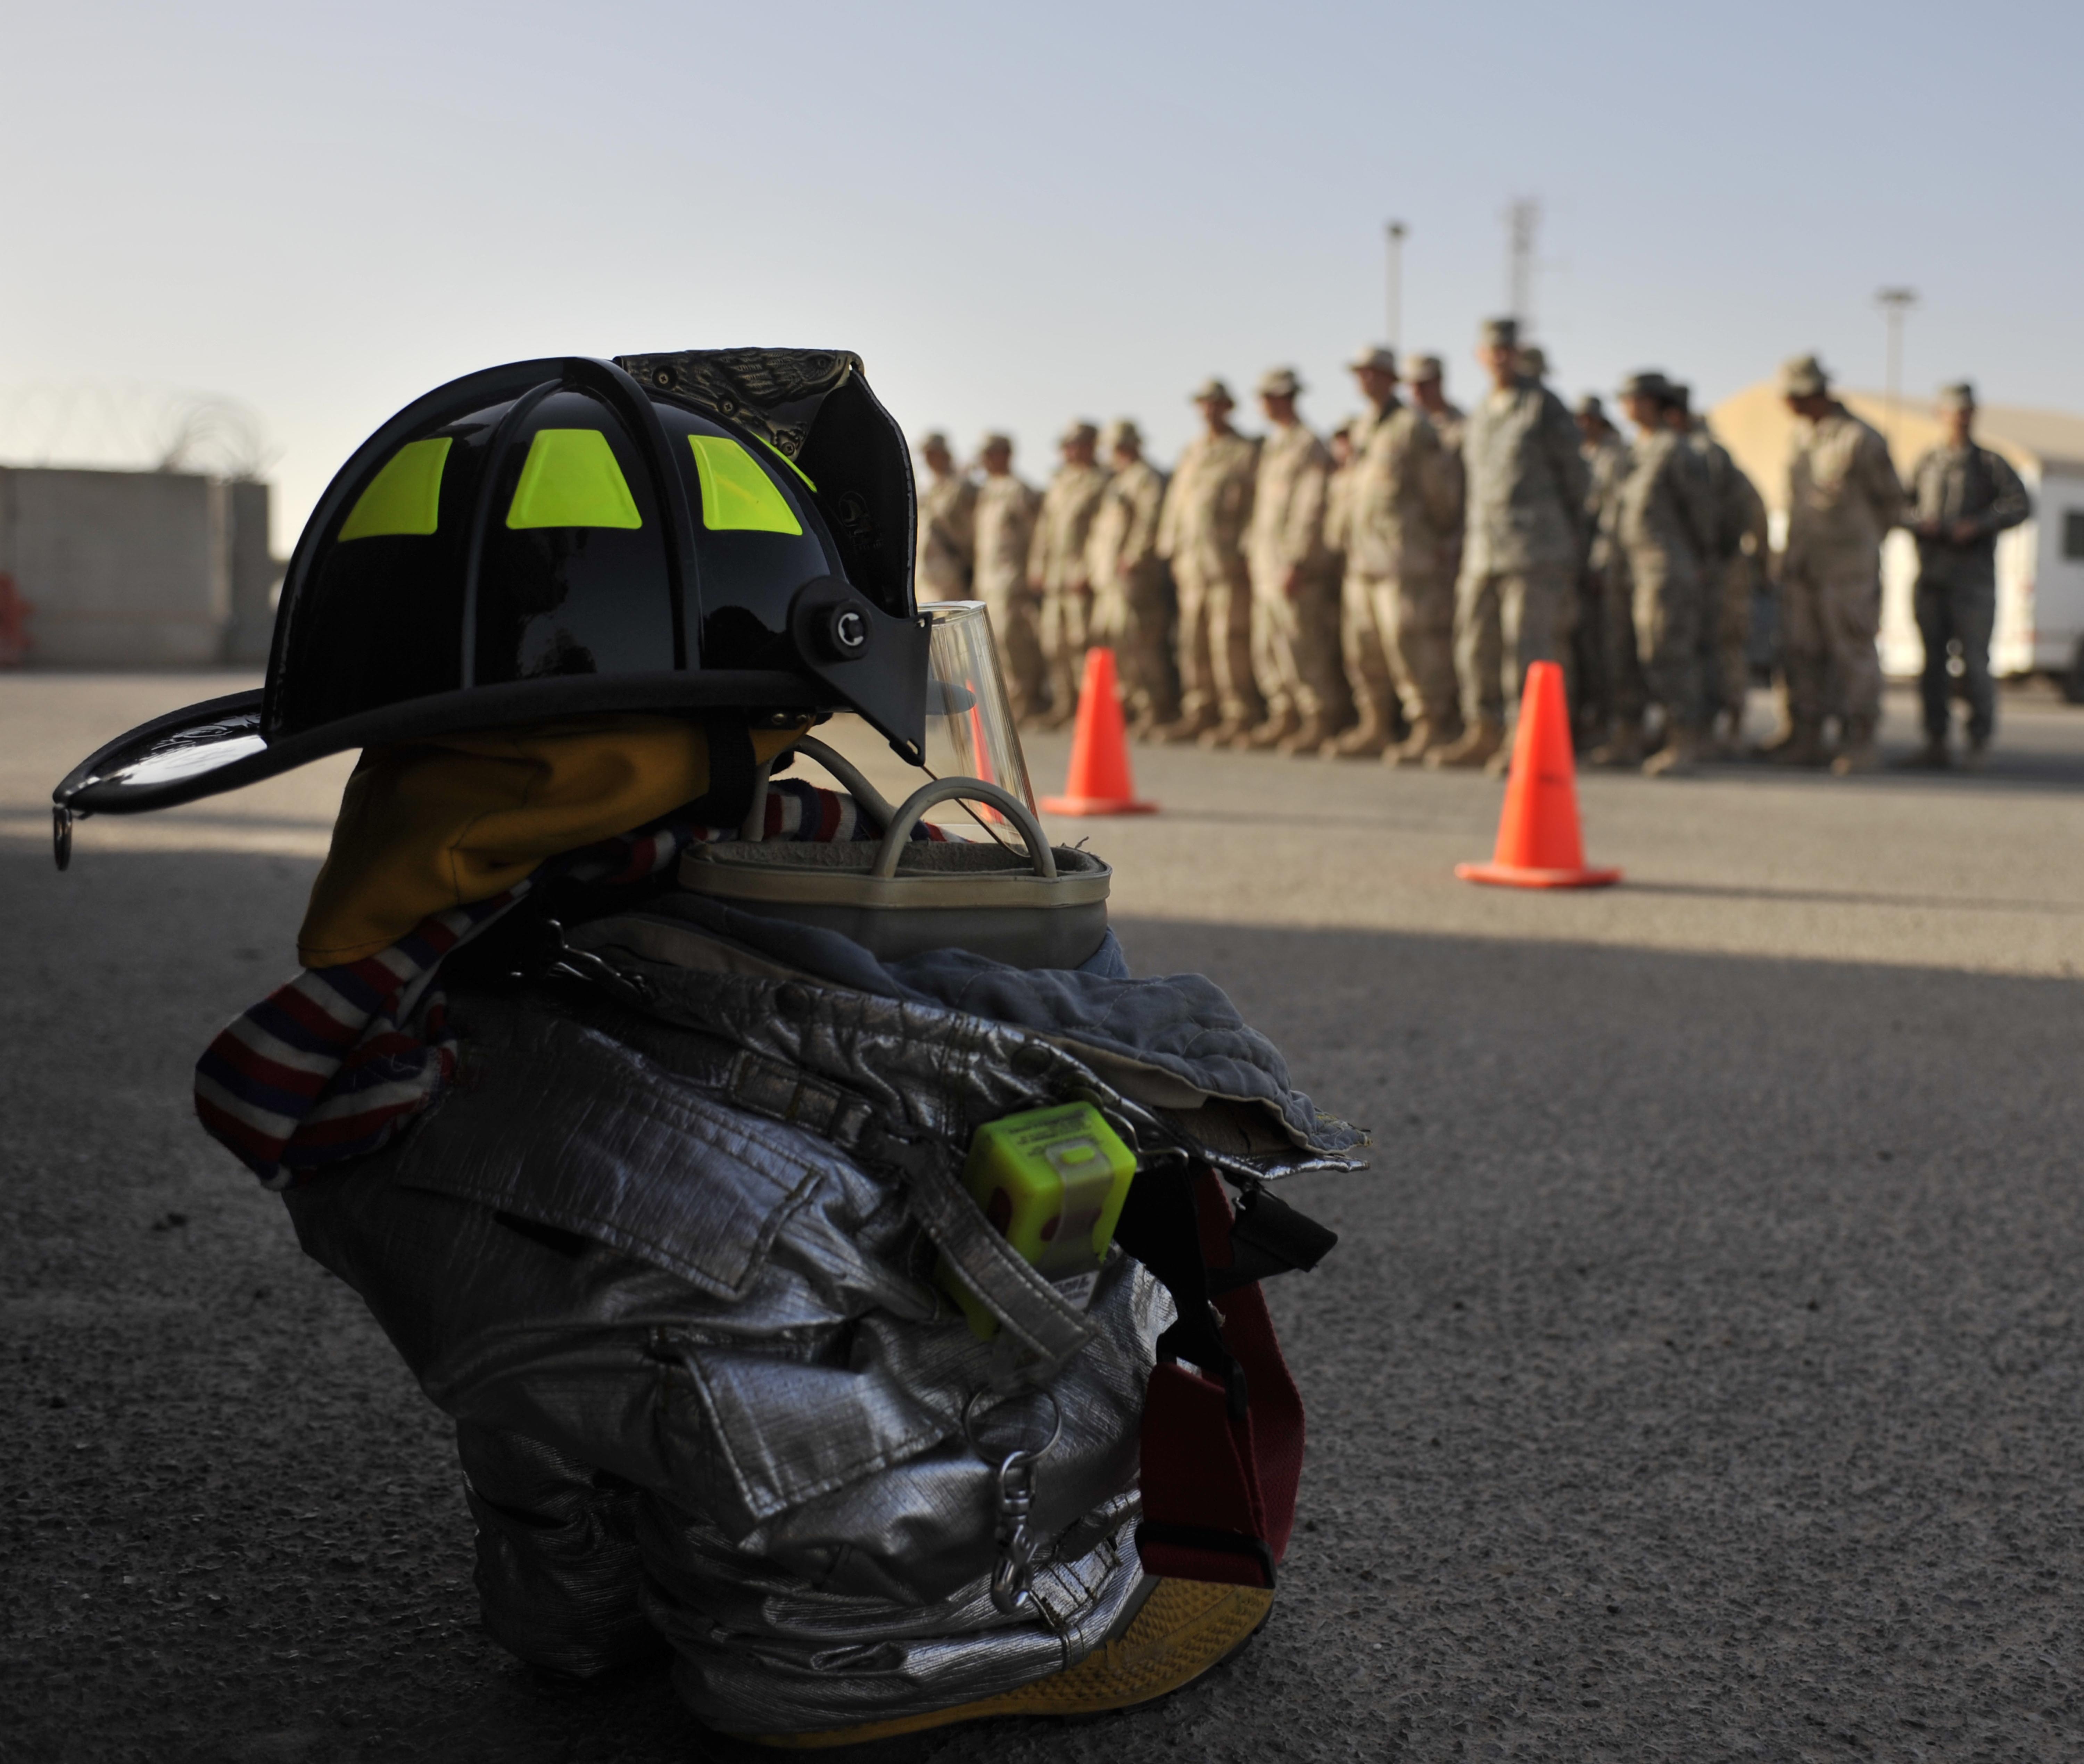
(1100, 783)
(1539, 845)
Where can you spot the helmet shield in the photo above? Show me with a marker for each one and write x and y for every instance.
(556, 538)
(970, 730)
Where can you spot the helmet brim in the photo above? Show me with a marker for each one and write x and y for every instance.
(217, 745)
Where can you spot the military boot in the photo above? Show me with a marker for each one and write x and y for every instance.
(1190, 725)
(1426, 737)
(1677, 758)
(1622, 748)
(1313, 732)
(1932, 756)
(1278, 727)
(1717, 745)
(1803, 745)
(1859, 753)
(1366, 740)
(1231, 732)
(1480, 744)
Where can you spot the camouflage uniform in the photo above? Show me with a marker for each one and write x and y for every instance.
(1843, 496)
(1737, 552)
(1956, 597)
(1006, 513)
(1609, 684)
(1200, 533)
(1403, 518)
(1056, 566)
(1450, 422)
(1524, 541)
(1133, 593)
(1664, 523)
(947, 538)
(1295, 653)
(1337, 500)
(1369, 681)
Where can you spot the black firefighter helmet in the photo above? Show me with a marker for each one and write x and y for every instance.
(710, 530)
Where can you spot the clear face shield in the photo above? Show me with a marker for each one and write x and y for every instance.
(970, 731)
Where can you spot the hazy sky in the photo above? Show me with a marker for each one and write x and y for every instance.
(1017, 214)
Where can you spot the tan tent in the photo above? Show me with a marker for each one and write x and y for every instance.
(2041, 566)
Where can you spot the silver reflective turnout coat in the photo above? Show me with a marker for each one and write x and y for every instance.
(664, 1252)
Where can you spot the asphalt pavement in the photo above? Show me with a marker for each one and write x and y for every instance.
(1698, 1376)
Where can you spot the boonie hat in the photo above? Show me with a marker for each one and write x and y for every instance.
(1803, 377)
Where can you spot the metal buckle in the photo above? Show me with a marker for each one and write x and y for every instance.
(1020, 1552)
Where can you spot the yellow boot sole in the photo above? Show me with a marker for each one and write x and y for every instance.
(1184, 1628)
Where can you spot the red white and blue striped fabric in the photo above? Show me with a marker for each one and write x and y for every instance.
(328, 1067)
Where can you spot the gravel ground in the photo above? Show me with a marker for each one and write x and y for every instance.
(1698, 1377)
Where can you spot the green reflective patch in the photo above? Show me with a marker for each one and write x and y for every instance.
(571, 479)
(737, 496)
(405, 496)
(784, 459)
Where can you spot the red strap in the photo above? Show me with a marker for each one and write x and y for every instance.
(1219, 1494)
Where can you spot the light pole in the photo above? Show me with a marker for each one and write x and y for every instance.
(1522, 219)
(1894, 303)
(1395, 231)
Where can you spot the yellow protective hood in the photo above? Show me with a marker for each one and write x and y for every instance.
(442, 823)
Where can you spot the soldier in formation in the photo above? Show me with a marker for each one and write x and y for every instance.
(1382, 595)
(1596, 672)
(1735, 568)
(1961, 497)
(1007, 509)
(1058, 571)
(1523, 542)
(947, 524)
(1132, 588)
(1401, 515)
(1664, 525)
(1373, 719)
(1295, 587)
(1843, 496)
(1201, 533)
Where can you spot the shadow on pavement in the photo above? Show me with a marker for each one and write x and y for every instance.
(1854, 897)
(1698, 1375)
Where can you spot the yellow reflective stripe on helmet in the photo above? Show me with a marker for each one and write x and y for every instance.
(784, 459)
(571, 479)
(737, 495)
(405, 496)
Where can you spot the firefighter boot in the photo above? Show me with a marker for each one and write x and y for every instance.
(1184, 1628)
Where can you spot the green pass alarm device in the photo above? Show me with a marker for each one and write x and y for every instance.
(1051, 1182)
